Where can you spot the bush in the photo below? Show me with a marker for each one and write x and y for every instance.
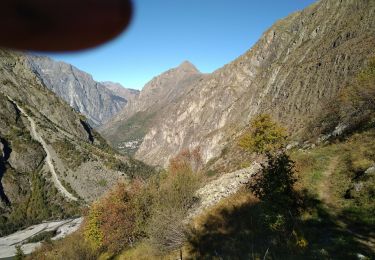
(71, 247)
(174, 197)
(132, 168)
(115, 222)
(186, 159)
(154, 211)
(263, 136)
(19, 253)
(275, 182)
(43, 236)
(93, 233)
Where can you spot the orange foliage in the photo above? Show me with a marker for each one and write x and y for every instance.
(186, 160)
(117, 215)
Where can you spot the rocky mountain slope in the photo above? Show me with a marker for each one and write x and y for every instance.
(127, 129)
(299, 64)
(51, 160)
(98, 102)
(119, 90)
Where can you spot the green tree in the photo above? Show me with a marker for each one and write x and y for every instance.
(275, 182)
(281, 204)
(92, 231)
(263, 136)
(19, 253)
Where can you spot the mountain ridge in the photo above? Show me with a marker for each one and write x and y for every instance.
(129, 126)
(298, 64)
(93, 99)
(120, 90)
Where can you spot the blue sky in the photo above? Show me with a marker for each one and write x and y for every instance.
(164, 33)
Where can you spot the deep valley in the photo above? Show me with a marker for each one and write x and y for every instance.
(271, 156)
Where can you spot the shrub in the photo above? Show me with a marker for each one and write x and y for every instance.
(167, 230)
(43, 236)
(263, 136)
(19, 253)
(132, 168)
(186, 159)
(70, 154)
(275, 182)
(71, 247)
(93, 233)
(112, 221)
(175, 196)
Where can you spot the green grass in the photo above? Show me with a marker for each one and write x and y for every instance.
(102, 183)
(339, 228)
(311, 164)
(68, 152)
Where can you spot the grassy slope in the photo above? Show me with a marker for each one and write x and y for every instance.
(339, 223)
(340, 220)
(335, 174)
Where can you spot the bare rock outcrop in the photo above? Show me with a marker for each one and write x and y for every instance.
(95, 100)
(221, 188)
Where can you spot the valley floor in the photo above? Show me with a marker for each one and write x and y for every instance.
(60, 229)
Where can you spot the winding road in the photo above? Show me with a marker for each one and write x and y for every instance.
(48, 159)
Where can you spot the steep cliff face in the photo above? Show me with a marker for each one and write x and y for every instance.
(127, 129)
(298, 64)
(93, 99)
(51, 160)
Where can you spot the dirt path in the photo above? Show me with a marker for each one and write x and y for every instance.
(39, 138)
(324, 187)
(325, 194)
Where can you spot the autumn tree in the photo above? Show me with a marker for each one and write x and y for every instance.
(186, 159)
(113, 221)
(274, 184)
(263, 136)
(175, 196)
